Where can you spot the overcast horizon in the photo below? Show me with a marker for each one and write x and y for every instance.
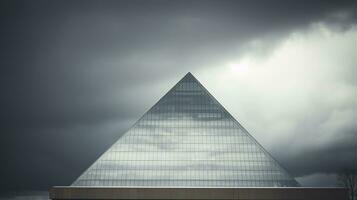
(78, 74)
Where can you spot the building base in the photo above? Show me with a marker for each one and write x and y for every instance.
(282, 193)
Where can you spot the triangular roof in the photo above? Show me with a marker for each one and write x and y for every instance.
(187, 139)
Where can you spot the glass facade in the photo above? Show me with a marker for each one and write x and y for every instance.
(187, 139)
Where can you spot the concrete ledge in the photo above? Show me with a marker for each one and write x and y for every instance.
(301, 193)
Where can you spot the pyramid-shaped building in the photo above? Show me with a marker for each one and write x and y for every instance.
(187, 139)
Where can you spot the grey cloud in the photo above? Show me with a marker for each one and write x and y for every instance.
(26, 195)
(73, 69)
(109, 46)
(319, 180)
(295, 101)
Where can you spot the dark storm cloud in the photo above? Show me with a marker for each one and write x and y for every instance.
(75, 73)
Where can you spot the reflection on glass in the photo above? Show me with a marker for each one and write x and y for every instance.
(186, 139)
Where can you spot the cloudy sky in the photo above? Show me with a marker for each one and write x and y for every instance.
(75, 75)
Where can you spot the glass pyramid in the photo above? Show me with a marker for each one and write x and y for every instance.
(187, 139)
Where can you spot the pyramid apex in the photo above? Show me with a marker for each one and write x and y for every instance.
(189, 74)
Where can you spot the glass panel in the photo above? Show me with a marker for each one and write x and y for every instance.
(186, 139)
